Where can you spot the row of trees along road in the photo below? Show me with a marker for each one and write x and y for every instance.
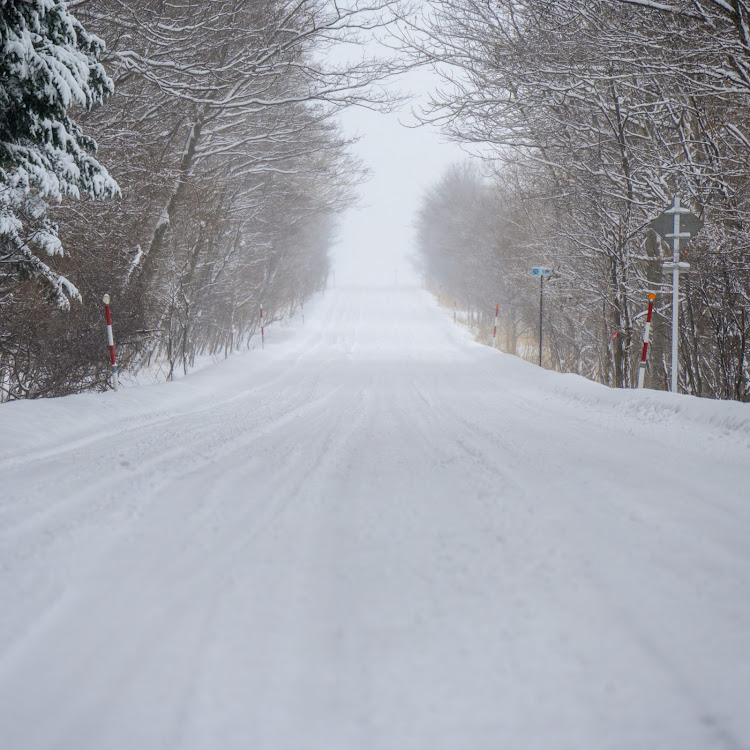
(224, 165)
(591, 115)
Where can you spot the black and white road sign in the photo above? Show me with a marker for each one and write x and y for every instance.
(663, 225)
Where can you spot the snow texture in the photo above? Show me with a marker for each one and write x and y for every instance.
(375, 534)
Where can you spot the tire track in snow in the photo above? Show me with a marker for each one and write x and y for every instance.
(115, 665)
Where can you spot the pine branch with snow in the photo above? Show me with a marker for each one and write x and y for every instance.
(48, 65)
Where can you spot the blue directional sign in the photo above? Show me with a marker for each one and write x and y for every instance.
(540, 271)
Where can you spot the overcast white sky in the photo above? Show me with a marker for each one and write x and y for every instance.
(378, 236)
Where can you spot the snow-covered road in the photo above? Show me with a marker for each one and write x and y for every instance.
(374, 535)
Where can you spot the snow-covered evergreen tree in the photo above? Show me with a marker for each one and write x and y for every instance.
(48, 65)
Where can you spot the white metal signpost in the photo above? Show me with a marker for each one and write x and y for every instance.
(541, 272)
(679, 225)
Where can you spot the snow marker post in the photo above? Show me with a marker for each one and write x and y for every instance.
(302, 307)
(111, 340)
(262, 330)
(646, 341)
(455, 309)
(494, 330)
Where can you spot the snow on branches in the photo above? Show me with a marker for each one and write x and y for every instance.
(48, 65)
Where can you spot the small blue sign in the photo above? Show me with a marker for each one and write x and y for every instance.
(540, 271)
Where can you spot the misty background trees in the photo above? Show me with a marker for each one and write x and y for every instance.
(222, 135)
(590, 117)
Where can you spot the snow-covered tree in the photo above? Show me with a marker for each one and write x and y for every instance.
(600, 111)
(224, 132)
(48, 66)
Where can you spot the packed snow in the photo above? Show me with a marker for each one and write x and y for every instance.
(374, 534)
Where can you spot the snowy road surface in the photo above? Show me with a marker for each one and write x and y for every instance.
(375, 534)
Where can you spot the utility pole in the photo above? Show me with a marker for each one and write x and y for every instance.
(676, 210)
(678, 224)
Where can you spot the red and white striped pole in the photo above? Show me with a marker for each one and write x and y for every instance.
(646, 341)
(262, 330)
(494, 330)
(455, 309)
(111, 340)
